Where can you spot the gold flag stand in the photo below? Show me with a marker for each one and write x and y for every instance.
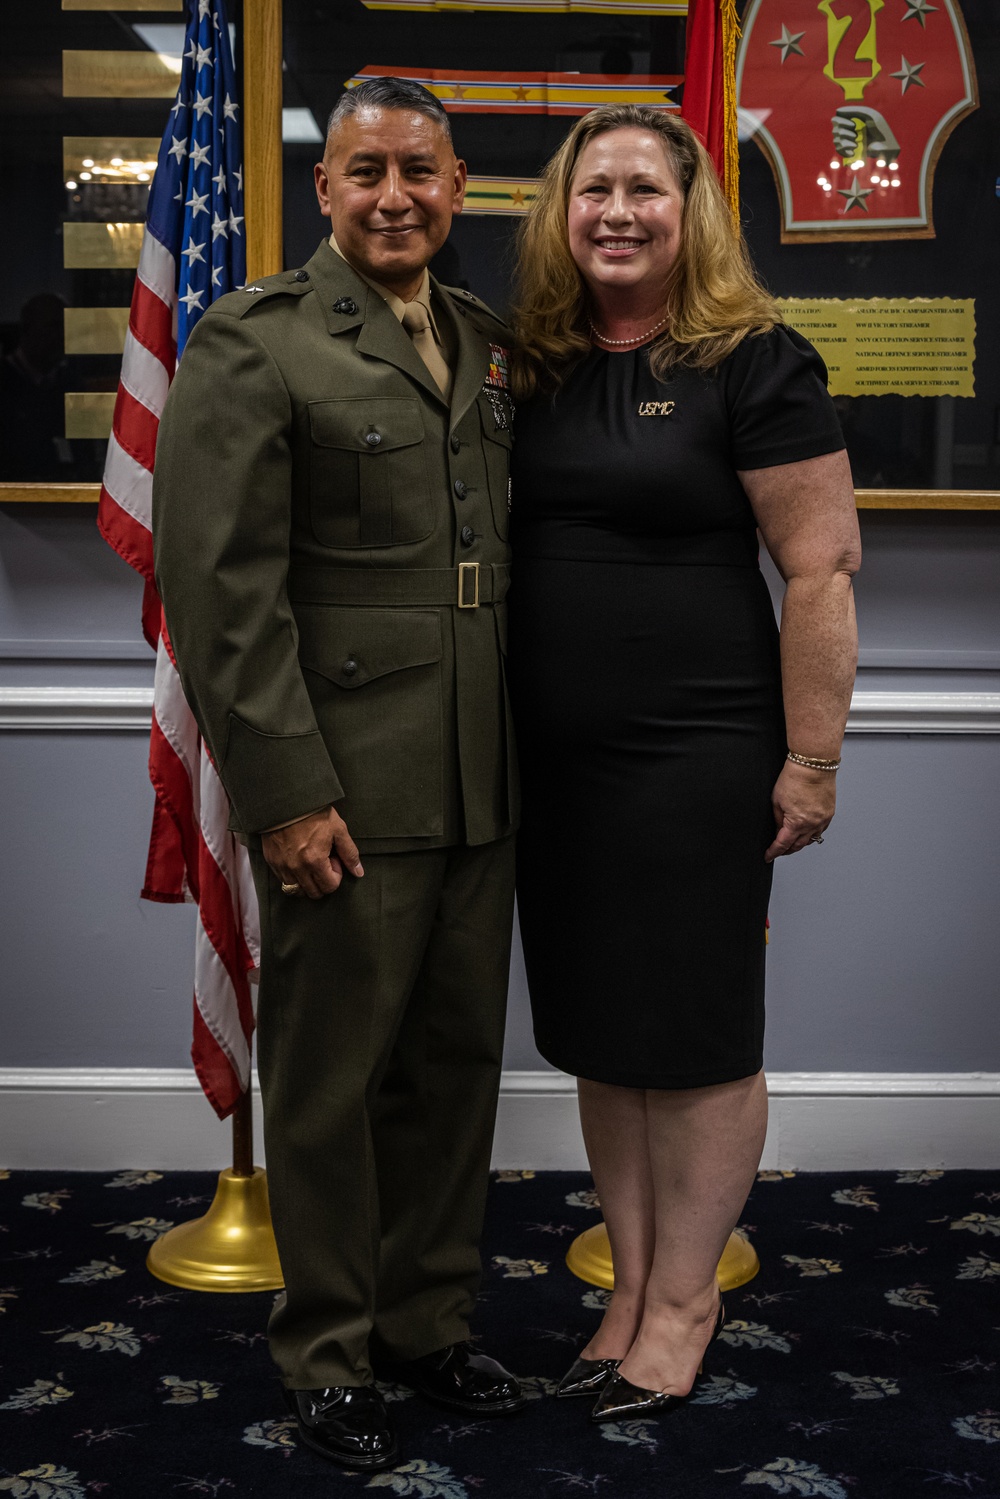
(589, 1258)
(232, 1247)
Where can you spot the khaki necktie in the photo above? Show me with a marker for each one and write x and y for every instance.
(417, 323)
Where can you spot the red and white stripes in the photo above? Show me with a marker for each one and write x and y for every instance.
(125, 516)
(192, 856)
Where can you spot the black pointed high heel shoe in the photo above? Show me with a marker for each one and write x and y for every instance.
(587, 1376)
(621, 1400)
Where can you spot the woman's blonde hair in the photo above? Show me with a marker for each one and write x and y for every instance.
(712, 298)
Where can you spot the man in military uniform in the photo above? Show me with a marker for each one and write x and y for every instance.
(330, 524)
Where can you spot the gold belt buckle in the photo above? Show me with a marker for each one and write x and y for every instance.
(464, 568)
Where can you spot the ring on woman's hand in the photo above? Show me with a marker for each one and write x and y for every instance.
(290, 889)
(816, 838)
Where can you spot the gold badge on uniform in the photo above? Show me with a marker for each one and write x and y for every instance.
(656, 408)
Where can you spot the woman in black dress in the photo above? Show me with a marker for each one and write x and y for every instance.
(671, 748)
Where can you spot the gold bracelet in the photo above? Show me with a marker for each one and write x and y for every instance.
(812, 762)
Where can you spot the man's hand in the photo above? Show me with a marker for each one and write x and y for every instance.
(313, 854)
(804, 802)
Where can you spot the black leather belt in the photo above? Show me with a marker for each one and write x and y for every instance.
(465, 587)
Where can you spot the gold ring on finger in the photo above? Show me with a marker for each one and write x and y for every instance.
(290, 889)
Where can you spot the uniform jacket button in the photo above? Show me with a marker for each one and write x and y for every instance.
(349, 667)
(468, 536)
(373, 439)
(461, 489)
(302, 275)
(456, 445)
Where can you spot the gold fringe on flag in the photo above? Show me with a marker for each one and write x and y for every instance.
(730, 36)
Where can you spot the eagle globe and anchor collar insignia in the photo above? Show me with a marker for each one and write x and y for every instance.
(851, 101)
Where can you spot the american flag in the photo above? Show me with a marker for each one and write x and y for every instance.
(193, 251)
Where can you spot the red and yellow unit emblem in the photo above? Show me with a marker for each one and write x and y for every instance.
(852, 102)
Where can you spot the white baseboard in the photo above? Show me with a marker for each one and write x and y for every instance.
(80, 709)
(76, 1119)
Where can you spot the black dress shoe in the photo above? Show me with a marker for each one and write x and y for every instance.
(620, 1400)
(349, 1425)
(587, 1376)
(462, 1380)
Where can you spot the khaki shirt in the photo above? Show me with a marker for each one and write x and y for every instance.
(398, 307)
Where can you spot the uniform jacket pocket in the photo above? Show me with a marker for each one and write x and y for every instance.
(374, 677)
(368, 481)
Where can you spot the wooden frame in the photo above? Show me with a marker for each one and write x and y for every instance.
(262, 166)
(927, 499)
(262, 52)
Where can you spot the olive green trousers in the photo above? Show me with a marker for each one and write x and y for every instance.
(380, 1041)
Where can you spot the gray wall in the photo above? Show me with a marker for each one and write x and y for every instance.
(885, 943)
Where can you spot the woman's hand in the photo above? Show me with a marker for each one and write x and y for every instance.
(804, 802)
(808, 517)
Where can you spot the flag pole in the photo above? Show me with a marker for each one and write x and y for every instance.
(262, 53)
(243, 1136)
(232, 1247)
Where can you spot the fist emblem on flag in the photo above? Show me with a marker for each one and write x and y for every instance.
(862, 132)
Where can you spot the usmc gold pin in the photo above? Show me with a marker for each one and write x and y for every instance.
(656, 408)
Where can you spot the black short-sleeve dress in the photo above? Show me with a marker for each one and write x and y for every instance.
(644, 669)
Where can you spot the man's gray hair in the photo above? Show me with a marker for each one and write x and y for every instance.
(389, 93)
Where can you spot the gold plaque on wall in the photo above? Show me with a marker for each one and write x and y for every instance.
(113, 158)
(879, 346)
(95, 330)
(123, 4)
(120, 75)
(102, 246)
(89, 413)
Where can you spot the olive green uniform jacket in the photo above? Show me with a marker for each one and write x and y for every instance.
(314, 500)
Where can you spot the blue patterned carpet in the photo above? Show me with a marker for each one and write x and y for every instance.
(862, 1363)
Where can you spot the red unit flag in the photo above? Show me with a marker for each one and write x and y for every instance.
(709, 103)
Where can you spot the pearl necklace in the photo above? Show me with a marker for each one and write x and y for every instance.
(620, 343)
